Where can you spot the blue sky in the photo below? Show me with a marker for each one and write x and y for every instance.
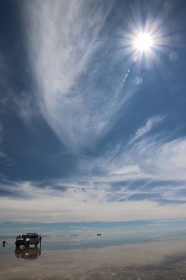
(91, 128)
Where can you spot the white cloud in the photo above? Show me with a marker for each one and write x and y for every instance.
(150, 124)
(127, 170)
(76, 203)
(63, 39)
(166, 160)
(151, 158)
(61, 209)
(25, 107)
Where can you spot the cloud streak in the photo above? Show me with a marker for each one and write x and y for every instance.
(151, 158)
(150, 124)
(64, 37)
(93, 201)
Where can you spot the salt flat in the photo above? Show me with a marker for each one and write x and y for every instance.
(154, 260)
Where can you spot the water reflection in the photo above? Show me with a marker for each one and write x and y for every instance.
(165, 259)
(28, 253)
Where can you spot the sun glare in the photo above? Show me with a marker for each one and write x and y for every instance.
(143, 42)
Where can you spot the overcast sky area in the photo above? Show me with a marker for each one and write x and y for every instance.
(91, 128)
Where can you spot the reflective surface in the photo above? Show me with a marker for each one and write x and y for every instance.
(28, 253)
(163, 259)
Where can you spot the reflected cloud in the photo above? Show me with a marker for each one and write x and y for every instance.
(147, 260)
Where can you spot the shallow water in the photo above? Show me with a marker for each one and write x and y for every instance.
(158, 259)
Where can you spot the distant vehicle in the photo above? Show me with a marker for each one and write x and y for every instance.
(27, 239)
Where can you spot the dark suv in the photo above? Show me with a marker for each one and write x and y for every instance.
(28, 239)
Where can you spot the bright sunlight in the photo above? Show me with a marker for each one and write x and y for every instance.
(143, 42)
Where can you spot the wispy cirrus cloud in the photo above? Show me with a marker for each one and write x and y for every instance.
(150, 157)
(60, 201)
(146, 177)
(64, 37)
(150, 124)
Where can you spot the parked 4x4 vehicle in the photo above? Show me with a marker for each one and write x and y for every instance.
(28, 239)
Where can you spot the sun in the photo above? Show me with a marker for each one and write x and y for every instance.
(143, 42)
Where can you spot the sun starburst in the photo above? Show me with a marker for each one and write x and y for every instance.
(143, 42)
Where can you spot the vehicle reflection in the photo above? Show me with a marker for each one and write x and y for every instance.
(28, 253)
